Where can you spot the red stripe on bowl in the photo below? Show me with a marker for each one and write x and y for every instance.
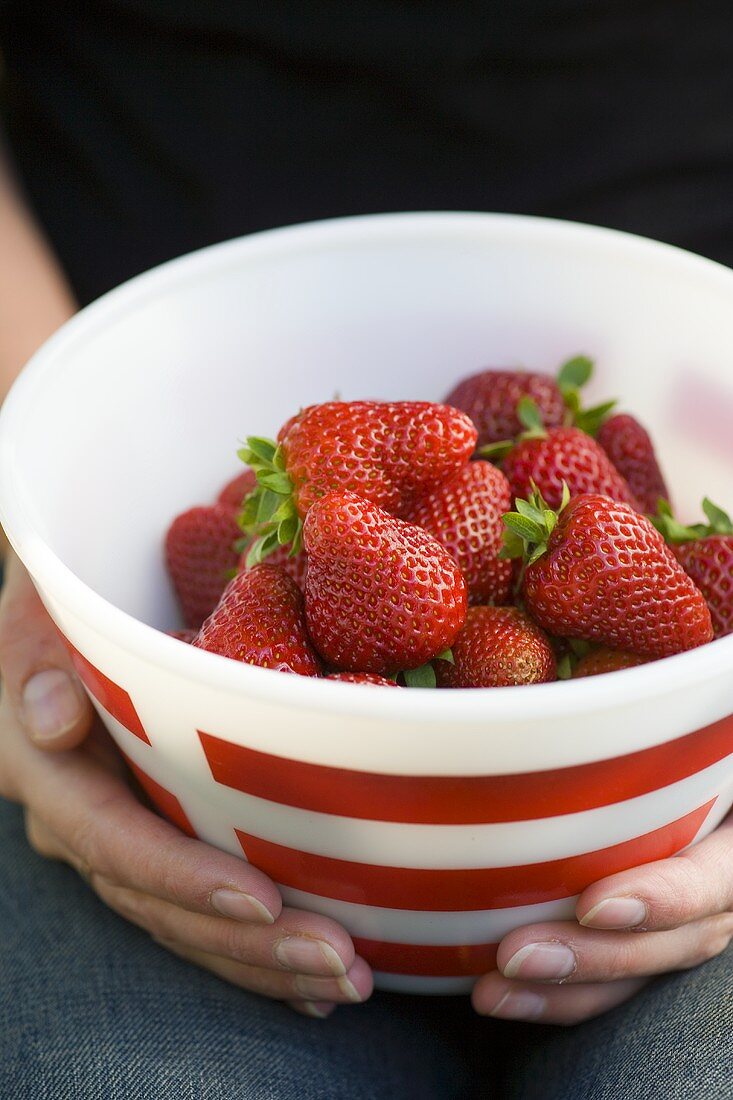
(435, 961)
(166, 803)
(464, 800)
(463, 889)
(111, 696)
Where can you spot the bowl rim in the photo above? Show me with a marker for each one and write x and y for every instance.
(533, 703)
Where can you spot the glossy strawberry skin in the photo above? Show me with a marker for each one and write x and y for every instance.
(606, 660)
(464, 515)
(381, 594)
(387, 452)
(295, 566)
(498, 647)
(200, 556)
(260, 620)
(608, 576)
(362, 678)
(628, 444)
(564, 454)
(709, 562)
(234, 492)
(491, 397)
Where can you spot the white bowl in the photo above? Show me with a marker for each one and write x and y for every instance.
(429, 823)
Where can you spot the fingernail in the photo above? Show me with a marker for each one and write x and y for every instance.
(308, 956)
(519, 1005)
(319, 1009)
(309, 986)
(51, 706)
(240, 906)
(616, 913)
(541, 962)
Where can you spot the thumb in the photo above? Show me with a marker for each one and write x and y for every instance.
(38, 677)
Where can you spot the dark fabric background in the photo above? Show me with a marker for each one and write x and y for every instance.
(145, 129)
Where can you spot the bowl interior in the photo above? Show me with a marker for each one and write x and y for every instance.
(140, 403)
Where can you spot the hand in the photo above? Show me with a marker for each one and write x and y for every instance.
(207, 906)
(665, 916)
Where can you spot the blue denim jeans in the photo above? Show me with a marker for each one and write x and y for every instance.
(92, 1009)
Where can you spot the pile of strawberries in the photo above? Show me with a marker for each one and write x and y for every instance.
(506, 537)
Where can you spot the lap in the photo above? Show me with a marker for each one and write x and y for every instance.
(91, 1008)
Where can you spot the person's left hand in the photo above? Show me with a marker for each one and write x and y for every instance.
(669, 915)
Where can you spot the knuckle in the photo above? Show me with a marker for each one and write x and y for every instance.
(230, 940)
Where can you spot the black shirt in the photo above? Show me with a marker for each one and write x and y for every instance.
(145, 128)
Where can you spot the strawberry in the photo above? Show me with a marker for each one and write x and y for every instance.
(599, 571)
(234, 492)
(464, 515)
(491, 397)
(186, 635)
(260, 620)
(547, 459)
(362, 678)
(389, 453)
(380, 594)
(606, 660)
(628, 445)
(295, 565)
(200, 555)
(705, 552)
(498, 647)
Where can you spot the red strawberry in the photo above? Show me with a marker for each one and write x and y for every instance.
(362, 678)
(200, 555)
(498, 647)
(491, 397)
(606, 660)
(628, 445)
(464, 515)
(389, 453)
(381, 594)
(234, 492)
(295, 566)
(547, 459)
(260, 620)
(187, 635)
(599, 571)
(705, 552)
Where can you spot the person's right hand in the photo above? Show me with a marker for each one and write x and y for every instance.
(209, 907)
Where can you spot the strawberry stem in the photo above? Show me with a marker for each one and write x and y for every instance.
(269, 517)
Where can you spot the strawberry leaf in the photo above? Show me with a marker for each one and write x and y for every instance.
(720, 521)
(422, 677)
(262, 449)
(494, 452)
(565, 667)
(530, 417)
(590, 420)
(445, 655)
(574, 374)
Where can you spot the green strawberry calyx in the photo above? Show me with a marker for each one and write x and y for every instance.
(424, 676)
(572, 376)
(269, 517)
(528, 529)
(530, 417)
(719, 523)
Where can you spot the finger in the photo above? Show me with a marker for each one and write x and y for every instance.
(38, 675)
(566, 952)
(493, 995)
(352, 988)
(317, 1010)
(296, 942)
(695, 884)
(104, 829)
